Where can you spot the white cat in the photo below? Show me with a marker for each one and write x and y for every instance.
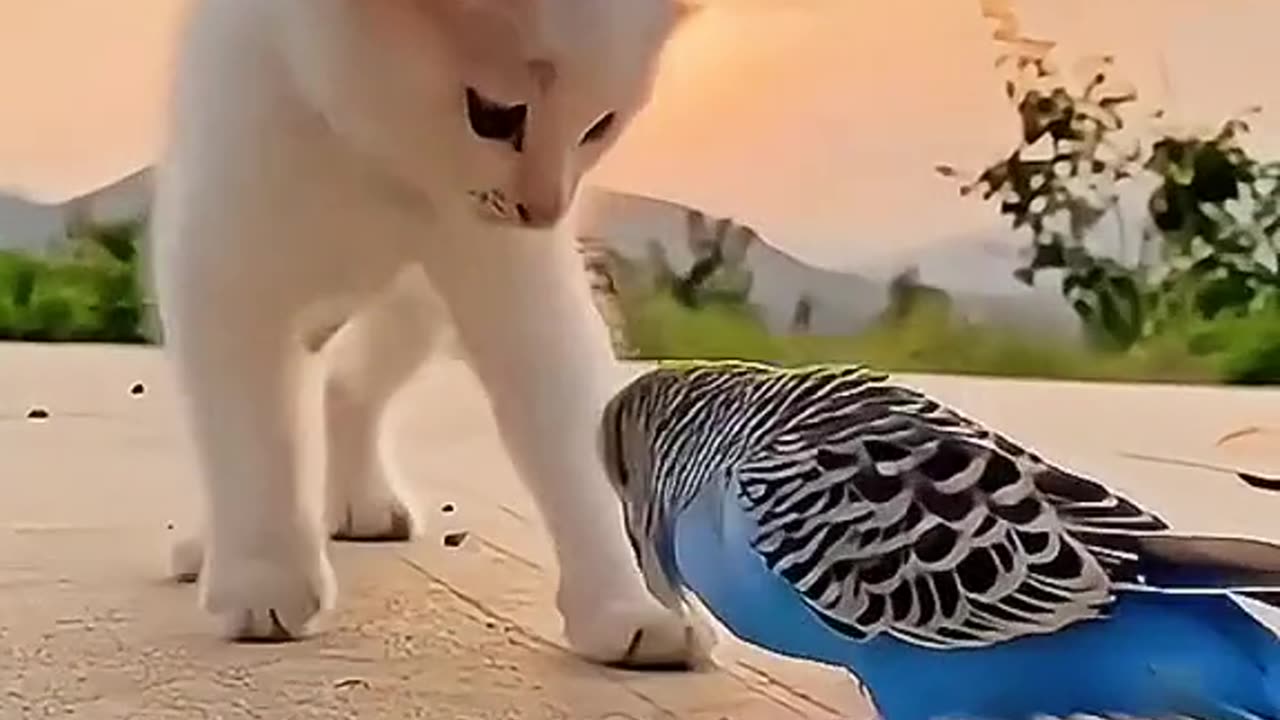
(354, 174)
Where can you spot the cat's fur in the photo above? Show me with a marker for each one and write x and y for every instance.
(324, 189)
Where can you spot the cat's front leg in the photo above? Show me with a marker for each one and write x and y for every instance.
(264, 573)
(524, 311)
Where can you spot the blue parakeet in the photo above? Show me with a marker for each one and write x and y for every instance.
(829, 514)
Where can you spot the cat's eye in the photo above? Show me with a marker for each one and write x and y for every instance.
(492, 120)
(600, 129)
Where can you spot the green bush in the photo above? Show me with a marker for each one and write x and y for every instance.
(1238, 350)
(92, 292)
(1245, 350)
(660, 326)
(1211, 235)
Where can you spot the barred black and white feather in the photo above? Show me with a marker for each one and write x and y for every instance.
(888, 512)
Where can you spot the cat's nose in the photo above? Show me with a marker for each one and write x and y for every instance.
(539, 215)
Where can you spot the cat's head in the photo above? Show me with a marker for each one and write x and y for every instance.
(500, 105)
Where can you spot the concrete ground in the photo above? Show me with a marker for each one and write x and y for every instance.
(92, 496)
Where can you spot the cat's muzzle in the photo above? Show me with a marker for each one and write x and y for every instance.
(493, 206)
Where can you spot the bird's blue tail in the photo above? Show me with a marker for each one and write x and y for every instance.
(1271, 653)
(1237, 577)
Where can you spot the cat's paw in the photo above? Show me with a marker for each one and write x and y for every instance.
(637, 633)
(270, 597)
(382, 516)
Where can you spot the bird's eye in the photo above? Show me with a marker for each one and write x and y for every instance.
(492, 120)
(600, 129)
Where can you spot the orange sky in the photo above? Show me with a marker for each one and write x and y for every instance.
(81, 82)
(828, 139)
(819, 121)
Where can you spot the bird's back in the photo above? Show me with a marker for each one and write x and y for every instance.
(1152, 655)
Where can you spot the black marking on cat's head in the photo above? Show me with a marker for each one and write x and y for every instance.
(496, 121)
(600, 130)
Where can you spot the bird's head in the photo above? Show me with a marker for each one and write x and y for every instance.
(626, 453)
(627, 450)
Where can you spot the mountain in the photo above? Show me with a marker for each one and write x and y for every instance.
(789, 294)
(38, 225)
(639, 227)
(977, 274)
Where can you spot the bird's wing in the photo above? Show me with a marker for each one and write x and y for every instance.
(890, 513)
